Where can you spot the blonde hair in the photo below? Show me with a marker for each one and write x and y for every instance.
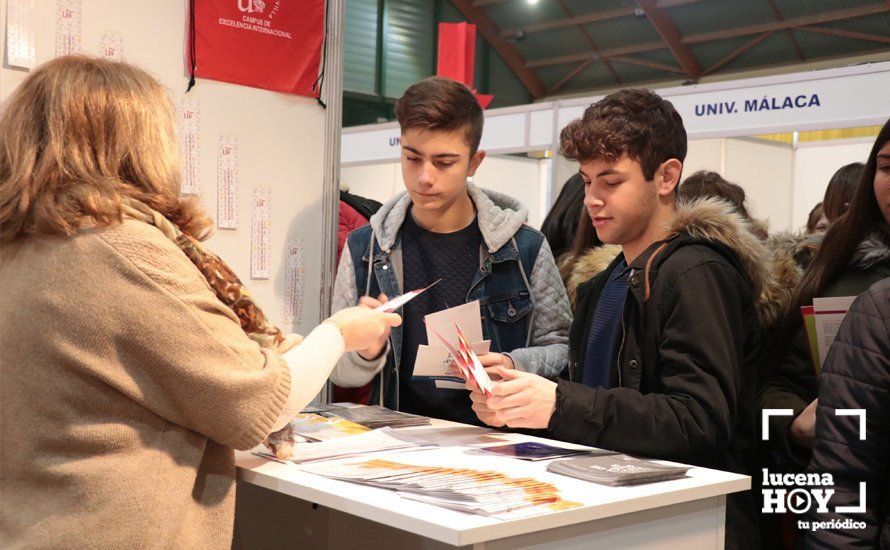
(80, 136)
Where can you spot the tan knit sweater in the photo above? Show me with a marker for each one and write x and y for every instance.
(124, 386)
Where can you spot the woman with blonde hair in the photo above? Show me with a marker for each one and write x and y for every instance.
(133, 360)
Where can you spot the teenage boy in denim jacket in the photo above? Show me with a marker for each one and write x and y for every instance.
(474, 240)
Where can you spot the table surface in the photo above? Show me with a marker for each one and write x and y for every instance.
(459, 528)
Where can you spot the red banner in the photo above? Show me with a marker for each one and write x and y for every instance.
(457, 56)
(270, 44)
(457, 52)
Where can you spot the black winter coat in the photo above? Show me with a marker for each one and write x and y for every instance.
(856, 375)
(684, 371)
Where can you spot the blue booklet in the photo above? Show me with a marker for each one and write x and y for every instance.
(532, 450)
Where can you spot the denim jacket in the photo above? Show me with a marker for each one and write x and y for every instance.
(523, 303)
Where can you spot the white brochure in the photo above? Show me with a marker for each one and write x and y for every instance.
(434, 361)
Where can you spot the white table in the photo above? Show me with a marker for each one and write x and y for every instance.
(686, 514)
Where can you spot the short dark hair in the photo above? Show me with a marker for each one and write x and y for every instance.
(705, 183)
(443, 104)
(840, 189)
(637, 122)
(813, 218)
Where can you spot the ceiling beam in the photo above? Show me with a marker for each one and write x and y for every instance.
(847, 34)
(582, 19)
(659, 3)
(568, 22)
(566, 10)
(671, 36)
(788, 32)
(576, 57)
(672, 3)
(565, 80)
(647, 63)
(800, 22)
(508, 51)
(793, 23)
(738, 51)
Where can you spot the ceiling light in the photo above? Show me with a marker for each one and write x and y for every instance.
(532, 2)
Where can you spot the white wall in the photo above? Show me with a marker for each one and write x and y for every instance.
(514, 176)
(782, 183)
(703, 154)
(281, 143)
(814, 164)
(374, 181)
(764, 170)
(517, 177)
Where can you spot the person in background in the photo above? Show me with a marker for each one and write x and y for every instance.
(856, 375)
(561, 223)
(840, 190)
(133, 360)
(587, 256)
(476, 241)
(665, 341)
(355, 211)
(705, 183)
(817, 223)
(854, 254)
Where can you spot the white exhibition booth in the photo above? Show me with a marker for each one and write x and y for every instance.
(783, 180)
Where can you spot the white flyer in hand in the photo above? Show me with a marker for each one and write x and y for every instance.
(399, 301)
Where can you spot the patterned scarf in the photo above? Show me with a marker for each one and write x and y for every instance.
(225, 284)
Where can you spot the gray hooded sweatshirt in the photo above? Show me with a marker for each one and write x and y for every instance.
(499, 217)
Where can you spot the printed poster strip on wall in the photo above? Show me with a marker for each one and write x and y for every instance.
(227, 183)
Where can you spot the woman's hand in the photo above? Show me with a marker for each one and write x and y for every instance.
(364, 329)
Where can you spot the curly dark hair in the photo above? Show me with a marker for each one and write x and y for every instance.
(633, 121)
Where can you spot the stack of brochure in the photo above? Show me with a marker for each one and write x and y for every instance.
(315, 427)
(384, 439)
(375, 416)
(616, 470)
(482, 492)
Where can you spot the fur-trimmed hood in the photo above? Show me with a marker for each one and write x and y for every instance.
(577, 271)
(712, 220)
(791, 254)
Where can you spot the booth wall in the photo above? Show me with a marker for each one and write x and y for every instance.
(516, 177)
(374, 181)
(764, 170)
(281, 145)
(814, 164)
(704, 154)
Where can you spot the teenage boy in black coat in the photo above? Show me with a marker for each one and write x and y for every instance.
(666, 341)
